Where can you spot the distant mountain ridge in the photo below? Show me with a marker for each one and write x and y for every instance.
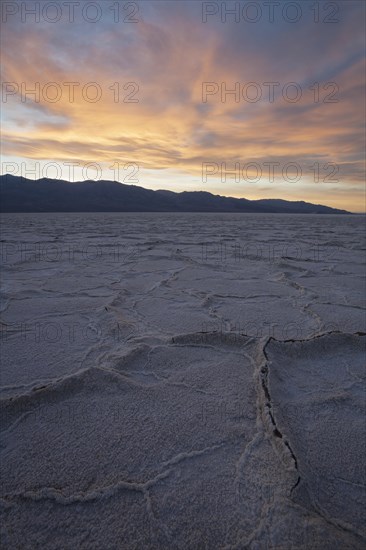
(18, 194)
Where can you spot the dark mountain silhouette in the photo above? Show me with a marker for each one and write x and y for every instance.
(18, 194)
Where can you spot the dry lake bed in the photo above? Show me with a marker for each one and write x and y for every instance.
(183, 381)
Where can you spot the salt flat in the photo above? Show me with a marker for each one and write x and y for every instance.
(183, 381)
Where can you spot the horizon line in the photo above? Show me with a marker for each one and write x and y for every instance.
(180, 192)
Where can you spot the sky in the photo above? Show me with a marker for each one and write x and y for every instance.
(254, 99)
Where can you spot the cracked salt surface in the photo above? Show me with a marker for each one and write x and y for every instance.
(161, 389)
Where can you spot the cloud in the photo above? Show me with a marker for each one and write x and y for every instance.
(162, 61)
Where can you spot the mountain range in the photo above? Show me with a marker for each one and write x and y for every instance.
(18, 194)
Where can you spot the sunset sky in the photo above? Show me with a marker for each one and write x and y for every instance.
(164, 131)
